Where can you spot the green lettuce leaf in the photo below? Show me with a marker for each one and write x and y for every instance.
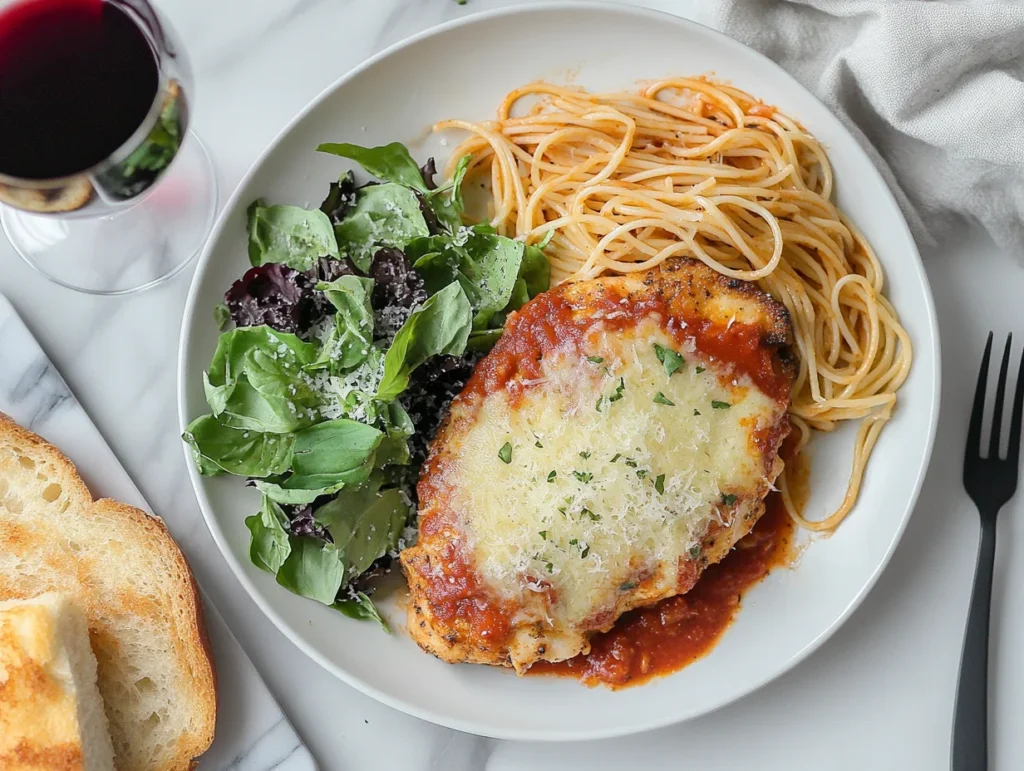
(440, 326)
(390, 162)
(256, 380)
(276, 489)
(398, 427)
(289, 234)
(446, 201)
(384, 215)
(362, 608)
(338, 451)
(535, 270)
(268, 546)
(482, 339)
(365, 523)
(313, 568)
(349, 341)
(498, 274)
(217, 448)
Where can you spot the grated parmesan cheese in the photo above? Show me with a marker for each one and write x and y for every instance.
(582, 504)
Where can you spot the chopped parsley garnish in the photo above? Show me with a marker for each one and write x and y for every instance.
(616, 457)
(584, 550)
(660, 398)
(631, 463)
(698, 370)
(627, 586)
(696, 412)
(694, 551)
(595, 359)
(551, 475)
(641, 473)
(583, 476)
(505, 453)
(588, 513)
(669, 358)
(550, 567)
(538, 444)
(598, 405)
(562, 510)
(728, 499)
(659, 484)
(720, 405)
(619, 389)
(543, 534)
(585, 455)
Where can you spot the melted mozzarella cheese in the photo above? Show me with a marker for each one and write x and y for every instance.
(591, 482)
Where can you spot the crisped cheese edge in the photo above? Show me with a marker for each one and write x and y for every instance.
(577, 506)
(49, 635)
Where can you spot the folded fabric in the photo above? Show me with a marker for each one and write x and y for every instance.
(933, 90)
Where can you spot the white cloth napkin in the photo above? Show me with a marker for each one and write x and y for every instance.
(933, 89)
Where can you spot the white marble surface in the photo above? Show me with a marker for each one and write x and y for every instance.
(878, 695)
(252, 732)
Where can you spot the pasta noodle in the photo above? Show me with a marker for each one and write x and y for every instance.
(685, 167)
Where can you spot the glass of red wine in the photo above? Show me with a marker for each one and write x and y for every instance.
(103, 187)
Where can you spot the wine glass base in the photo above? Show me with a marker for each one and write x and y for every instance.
(132, 249)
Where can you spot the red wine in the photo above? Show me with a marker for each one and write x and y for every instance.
(77, 78)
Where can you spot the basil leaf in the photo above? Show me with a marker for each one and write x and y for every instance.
(336, 451)
(313, 568)
(391, 162)
(268, 546)
(498, 274)
(384, 215)
(221, 316)
(362, 608)
(499, 261)
(217, 448)
(276, 490)
(486, 266)
(255, 381)
(519, 297)
(440, 326)
(365, 523)
(446, 201)
(289, 234)
(398, 427)
(328, 480)
(535, 270)
(482, 339)
(350, 339)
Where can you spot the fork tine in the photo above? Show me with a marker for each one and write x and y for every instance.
(997, 411)
(977, 412)
(1013, 451)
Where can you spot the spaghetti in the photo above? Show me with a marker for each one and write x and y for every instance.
(620, 182)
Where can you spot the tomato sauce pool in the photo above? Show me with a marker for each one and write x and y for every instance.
(675, 632)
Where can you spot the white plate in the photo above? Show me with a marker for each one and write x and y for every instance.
(462, 70)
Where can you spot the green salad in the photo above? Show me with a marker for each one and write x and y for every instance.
(340, 350)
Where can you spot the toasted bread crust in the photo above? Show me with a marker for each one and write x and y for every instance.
(66, 197)
(192, 644)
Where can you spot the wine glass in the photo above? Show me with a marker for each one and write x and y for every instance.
(95, 103)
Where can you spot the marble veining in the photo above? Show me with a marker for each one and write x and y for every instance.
(34, 394)
(879, 694)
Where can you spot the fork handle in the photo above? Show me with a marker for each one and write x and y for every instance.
(970, 720)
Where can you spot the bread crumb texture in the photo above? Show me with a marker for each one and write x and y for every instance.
(141, 603)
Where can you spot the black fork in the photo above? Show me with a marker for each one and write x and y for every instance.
(990, 481)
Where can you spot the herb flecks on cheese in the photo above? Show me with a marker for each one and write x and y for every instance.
(593, 498)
